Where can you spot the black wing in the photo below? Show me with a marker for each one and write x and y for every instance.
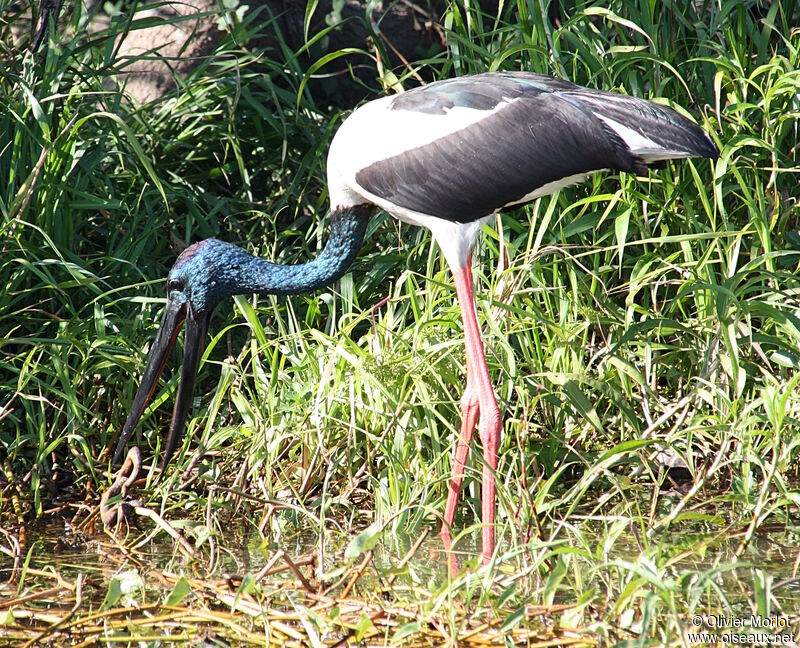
(537, 130)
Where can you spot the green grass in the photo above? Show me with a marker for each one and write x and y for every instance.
(648, 315)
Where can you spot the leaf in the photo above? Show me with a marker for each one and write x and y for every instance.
(613, 17)
(513, 619)
(506, 594)
(113, 595)
(582, 404)
(621, 223)
(311, 7)
(248, 585)
(364, 626)
(181, 590)
(364, 541)
(553, 581)
(38, 114)
(793, 239)
(406, 631)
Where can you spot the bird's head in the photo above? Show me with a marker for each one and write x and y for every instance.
(203, 275)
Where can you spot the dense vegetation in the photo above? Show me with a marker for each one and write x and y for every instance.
(632, 324)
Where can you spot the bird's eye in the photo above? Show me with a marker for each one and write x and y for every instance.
(173, 284)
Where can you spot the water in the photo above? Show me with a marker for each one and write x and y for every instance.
(704, 566)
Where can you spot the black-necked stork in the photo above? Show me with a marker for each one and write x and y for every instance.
(443, 156)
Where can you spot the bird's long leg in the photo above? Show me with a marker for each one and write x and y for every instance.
(479, 387)
(469, 416)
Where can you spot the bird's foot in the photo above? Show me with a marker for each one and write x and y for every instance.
(113, 514)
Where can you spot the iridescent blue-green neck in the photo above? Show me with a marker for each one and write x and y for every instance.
(251, 274)
(212, 270)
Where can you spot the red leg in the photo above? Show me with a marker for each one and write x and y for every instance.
(479, 388)
(469, 416)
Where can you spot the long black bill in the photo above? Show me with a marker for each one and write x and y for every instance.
(193, 344)
(174, 316)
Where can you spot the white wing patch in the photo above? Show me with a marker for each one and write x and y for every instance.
(376, 132)
(640, 145)
(552, 187)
